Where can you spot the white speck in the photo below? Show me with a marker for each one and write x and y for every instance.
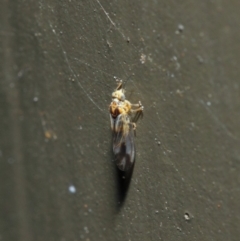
(209, 103)
(180, 27)
(86, 229)
(54, 31)
(200, 59)
(187, 216)
(20, 73)
(72, 189)
(35, 99)
(80, 128)
(156, 211)
(149, 58)
(143, 58)
(179, 229)
(177, 66)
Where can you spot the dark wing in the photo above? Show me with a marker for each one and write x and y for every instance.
(123, 142)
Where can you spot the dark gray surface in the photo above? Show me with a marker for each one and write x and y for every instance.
(59, 60)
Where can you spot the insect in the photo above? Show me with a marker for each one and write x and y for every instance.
(123, 128)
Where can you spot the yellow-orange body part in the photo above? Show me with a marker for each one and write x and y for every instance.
(123, 127)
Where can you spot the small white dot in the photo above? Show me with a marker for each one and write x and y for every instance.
(209, 103)
(187, 216)
(180, 27)
(72, 189)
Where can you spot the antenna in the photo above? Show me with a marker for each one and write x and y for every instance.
(125, 82)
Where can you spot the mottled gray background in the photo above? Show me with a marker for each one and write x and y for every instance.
(59, 61)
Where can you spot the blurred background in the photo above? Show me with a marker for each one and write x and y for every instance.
(59, 65)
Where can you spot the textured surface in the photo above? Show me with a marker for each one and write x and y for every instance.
(60, 60)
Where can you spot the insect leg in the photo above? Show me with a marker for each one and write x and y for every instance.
(119, 84)
(137, 116)
(139, 104)
(139, 113)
